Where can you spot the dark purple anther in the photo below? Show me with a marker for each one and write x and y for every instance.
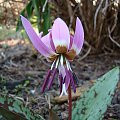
(52, 78)
(75, 78)
(46, 80)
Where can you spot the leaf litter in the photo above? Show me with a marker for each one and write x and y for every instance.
(22, 71)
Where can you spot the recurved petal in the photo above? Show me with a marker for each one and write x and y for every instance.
(60, 33)
(78, 38)
(71, 41)
(47, 40)
(35, 39)
(40, 34)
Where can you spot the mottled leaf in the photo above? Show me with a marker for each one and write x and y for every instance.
(12, 109)
(93, 104)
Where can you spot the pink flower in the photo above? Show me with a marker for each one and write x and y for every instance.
(59, 47)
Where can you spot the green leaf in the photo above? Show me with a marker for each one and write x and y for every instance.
(29, 8)
(93, 103)
(37, 7)
(19, 23)
(46, 20)
(12, 109)
(27, 11)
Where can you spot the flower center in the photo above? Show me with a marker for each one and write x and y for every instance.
(66, 76)
(61, 49)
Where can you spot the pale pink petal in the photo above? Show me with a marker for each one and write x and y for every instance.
(78, 38)
(38, 44)
(60, 33)
(40, 34)
(47, 40)
(49, 30)
(52, 44)
(71, 41)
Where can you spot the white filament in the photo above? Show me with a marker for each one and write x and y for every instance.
(57, 62)
(61, 60)
(52, 65)
(68, 65)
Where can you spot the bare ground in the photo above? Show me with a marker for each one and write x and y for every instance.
(22, 70)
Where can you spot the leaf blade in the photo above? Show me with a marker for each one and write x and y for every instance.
(11, 107)
(93, 104)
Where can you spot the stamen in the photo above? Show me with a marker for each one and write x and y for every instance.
(72, 81)
(57, 62)
(52, 78)
(75, 78)
(52, 65)
(63, 90)
(46, 80)
(69, 70)
(67, 79)
(53, 74)
(61, 60)
(67, 63)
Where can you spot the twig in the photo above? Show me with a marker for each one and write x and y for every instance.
(83, 19)
(12, 63)
(101, 25)
(84, 56)
(112, 38)
(47, 97)
(71, 20)
(20, 98)
(106, 6)
(115, 23)
(99, 35)
(96, 14)
(109, 49)
(70, 13)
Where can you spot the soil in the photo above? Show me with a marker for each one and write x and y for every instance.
(22, 71)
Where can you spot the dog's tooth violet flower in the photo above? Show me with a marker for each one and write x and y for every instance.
(59, 47)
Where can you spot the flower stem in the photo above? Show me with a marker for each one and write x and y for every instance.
(69, 104)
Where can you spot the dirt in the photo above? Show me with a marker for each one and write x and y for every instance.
(22, 70)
